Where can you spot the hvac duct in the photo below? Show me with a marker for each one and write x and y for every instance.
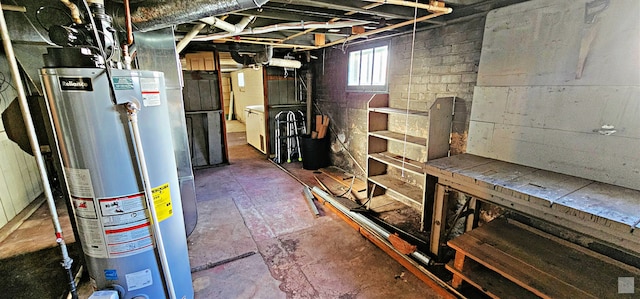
(154, 15)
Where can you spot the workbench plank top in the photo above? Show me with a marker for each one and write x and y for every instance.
(607, 201)
(543, 186)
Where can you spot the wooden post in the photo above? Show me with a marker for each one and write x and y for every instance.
(472, 216)
(437, 224)
(458, 264)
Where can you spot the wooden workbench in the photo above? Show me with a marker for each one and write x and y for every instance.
(602, 211)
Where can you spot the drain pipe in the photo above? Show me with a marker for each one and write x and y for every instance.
(187, 38)
(365, 222)
(228, 27)
(132, 111)
(35, 148)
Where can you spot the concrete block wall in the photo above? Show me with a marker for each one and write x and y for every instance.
(445, 64)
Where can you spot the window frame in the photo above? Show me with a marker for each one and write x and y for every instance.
(368, 88)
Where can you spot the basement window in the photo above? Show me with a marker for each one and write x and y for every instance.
(367, 70)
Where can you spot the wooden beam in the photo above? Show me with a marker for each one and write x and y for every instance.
(435, 7)
(14, 8)
(319, 39)
(383, 29)
(275, 45)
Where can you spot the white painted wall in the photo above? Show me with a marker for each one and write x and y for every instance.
(530, 107)
(251, 94)
(19, 179)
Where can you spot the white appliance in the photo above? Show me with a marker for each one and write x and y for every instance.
(254, 116)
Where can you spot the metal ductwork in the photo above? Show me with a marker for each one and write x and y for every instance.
(152, 15)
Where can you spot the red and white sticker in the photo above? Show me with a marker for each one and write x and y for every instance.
(150, 91)
(125, 240)
(84, 207)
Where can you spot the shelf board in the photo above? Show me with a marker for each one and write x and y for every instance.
(389, 110)
(396, 161)
(491, 283)
(400, 190)
(390, 135)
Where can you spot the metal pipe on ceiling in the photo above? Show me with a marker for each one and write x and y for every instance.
(283, 26)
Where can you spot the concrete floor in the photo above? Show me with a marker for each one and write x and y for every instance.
(256, 228)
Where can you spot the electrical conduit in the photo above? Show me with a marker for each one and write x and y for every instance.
(35, 147)
(132, 112)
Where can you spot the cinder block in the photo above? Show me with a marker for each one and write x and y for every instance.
(450, 78)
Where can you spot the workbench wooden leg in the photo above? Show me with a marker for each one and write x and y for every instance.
(458, 264)
(472, 216)
(438, 224)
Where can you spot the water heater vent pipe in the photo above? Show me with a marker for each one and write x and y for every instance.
(132, 111)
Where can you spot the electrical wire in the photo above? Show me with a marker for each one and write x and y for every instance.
(62, 11)
(101, 49)
(406, 119)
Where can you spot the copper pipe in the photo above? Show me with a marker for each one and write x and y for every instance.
(127, 22)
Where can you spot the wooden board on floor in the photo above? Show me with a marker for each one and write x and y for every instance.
(359, 189)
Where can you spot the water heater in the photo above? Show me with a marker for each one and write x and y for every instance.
(101, 160)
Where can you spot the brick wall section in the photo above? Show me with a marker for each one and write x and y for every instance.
(445, 64)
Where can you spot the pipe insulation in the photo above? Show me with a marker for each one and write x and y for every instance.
(153, 15)
(286, 63)
(283, 26)
(367, 223)
(35, 147)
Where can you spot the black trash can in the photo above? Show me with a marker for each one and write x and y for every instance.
(315, 152)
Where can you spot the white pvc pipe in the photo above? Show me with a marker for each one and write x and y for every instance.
(35, 147)
(228, 27)
(132, 110)
(187, 38)
(283, 26)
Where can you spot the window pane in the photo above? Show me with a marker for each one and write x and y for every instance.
(354, 68)
(366, 67)
(380, 66)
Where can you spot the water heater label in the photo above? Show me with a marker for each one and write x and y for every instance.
(150, 91)
(81, 84)
(138, 280)
(84, 207)
(162, 201)
(122, 83)
(79, 181)
(130, 239)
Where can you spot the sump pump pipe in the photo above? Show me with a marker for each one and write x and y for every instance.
(35, 148)
(132, 111)
(364, 221)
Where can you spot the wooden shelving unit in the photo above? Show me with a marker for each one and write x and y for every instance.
(400, 141)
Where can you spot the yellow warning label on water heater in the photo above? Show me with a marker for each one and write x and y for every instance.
(162, 201)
